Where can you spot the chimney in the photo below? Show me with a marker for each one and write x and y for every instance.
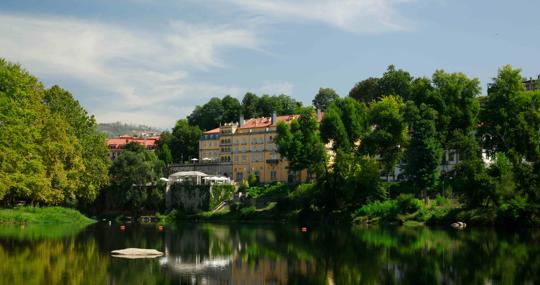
(241, 122)
(319, 114)
(274, 118)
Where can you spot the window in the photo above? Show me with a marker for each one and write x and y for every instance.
(270, 147)
(273, 175)
(243, 158)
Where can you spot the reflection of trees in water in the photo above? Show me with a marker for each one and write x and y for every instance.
(63, 261)
(274, 254)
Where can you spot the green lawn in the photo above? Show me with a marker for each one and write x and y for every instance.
(43, 215)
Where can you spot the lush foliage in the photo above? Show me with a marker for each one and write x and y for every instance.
(485, 158)
(50, 151)
(179, 145)
(134, 180)
(229, 109)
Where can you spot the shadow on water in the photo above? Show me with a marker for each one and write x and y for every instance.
(269, 254)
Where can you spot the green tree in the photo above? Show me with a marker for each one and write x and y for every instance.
(231, 109)
(511, 118)
(387, 137)
(324, 98)
(208, 116)
(424, 153)
(165, 155)
(366, 90)
(93, 149)
(42, 135)
(184, 143)
(344, 123)
(250, 104)
(134, 174)
(396, 82)
(300, 143)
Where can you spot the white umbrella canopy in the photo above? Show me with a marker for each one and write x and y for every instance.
(188, 173)
(194, 159)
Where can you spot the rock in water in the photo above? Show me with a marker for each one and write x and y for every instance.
(136, 253)
(459, 225)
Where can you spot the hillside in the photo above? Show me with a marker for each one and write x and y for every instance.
(117, 128)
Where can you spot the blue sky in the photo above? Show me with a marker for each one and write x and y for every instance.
(151, 62)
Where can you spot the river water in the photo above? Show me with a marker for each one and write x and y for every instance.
(269, 254)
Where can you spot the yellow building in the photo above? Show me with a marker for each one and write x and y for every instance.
(249, 147)
(209, 149)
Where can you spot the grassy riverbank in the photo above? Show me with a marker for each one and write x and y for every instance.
(42, 215)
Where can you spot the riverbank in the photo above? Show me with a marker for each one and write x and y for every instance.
(298, 204)
(43, 215)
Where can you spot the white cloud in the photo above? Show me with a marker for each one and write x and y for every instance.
(144, 76)
(358, 16)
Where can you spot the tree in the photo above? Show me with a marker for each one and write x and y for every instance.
(396, 82)
(184, 143)
(366, 90)
(344, 123)
(165, 154)
(388, 133)
(424, 153)
(511, 118)
(461, 105)
(231, 109)
(300, 143)
(43, 135)
(209, 116)
(324, 98)
(93, 148)
(134, 174)
(249, 105)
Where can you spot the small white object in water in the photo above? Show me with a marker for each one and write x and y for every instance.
(136, 253)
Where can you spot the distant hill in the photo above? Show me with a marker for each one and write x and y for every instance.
(119, 128)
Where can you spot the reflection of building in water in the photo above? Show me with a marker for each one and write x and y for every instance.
(197, 256)
(259, 271)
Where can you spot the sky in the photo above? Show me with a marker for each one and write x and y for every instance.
(151, 62)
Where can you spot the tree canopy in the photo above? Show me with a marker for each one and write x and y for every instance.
(50, 151)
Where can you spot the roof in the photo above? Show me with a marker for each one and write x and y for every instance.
(213, 131)
(187, 174)
(123, 140)
(264, 122)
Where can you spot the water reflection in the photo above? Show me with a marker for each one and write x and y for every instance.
(271, 254)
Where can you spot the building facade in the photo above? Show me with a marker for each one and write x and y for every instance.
(116, 145)
(248, 147)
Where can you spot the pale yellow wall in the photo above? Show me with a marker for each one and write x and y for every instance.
(249, 152)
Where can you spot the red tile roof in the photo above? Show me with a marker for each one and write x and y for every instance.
(266, 121)
(121, 141)
(214, 131)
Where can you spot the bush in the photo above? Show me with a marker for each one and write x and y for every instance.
(384, 210)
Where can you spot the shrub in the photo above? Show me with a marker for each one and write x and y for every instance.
(386, 210)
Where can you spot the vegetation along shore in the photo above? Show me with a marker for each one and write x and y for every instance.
(380, 154)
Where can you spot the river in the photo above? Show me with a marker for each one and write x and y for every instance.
(269, 254)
